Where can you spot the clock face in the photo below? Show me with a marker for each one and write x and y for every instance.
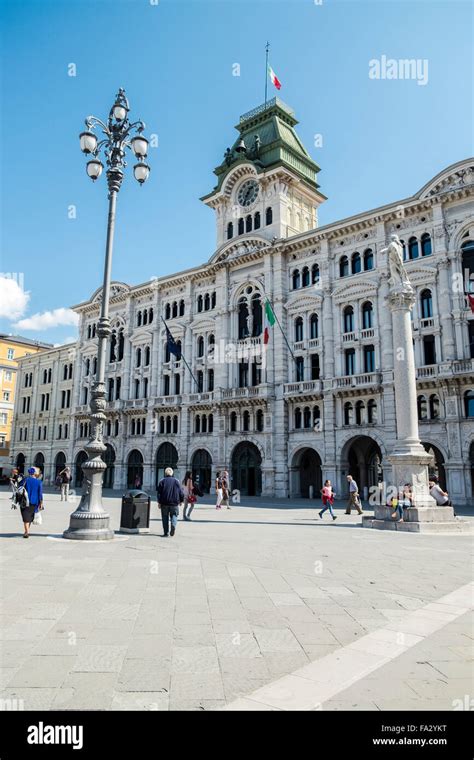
(248, 192)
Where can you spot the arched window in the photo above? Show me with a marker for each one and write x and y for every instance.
(89, 331)
(269, 215)
(137, 388)
(372, 412)
(469, 404)
(94, 330)
(150, 316)
(233, 422)
(204, 424)
(139, 318)
(94, 365)
(213, 300)
(248, 223)
(426, 245)
(121, 345)
(162, 424)
(175, 424)
(316, 417)
(167, 311)
(307, 417)
(343, 266)
(315, 274)
(210, 380)
(367, 314)
(177, 383)
(298, 328)
(348, 413)
(207, 302)
(413, 248)
(257, 315)
(305, 277)
(368, 260)
(404, 250)
(246, 420)
(348, 318)
(426, 304)
(230, 231)
(467, 251)
(295, 279)
(314, 326)
(181, 308)
(434, 406)
(116, 427)
(167, 353)
(138, 357)
(422, 408)
(145, 316)
(147, 356)
(256, 220)
(113, 345)
(243, 318)
(360, 413)
(88, 367)
(199, 303)
(174, 310)
(356, 263)
(200, 346)
(168, 424)
(241, 226)
(210, 423)
(197, 423)
(259, 420)
(297, 418)
(200, 381)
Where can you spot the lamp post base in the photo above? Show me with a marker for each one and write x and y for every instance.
(89, 526)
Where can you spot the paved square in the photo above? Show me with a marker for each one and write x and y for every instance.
(262, 607)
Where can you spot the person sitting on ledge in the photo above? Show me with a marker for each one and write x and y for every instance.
(441, 497)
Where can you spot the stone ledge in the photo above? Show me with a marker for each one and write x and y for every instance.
(454, 526)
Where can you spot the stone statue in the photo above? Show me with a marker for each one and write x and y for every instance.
(228, 156)
(256, 146)
(398, 273)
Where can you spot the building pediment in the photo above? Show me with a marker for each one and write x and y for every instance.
(243, 246)
(420, 274)
(361, 289)
(455, 177)
(311, 299)
(116, 289)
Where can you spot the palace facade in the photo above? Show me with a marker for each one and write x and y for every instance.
(317, 401)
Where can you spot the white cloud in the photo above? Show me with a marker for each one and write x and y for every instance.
(13, 299)
(48, 319)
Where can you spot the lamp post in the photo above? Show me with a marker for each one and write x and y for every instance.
(90, 521)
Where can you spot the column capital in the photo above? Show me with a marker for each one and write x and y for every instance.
(402, 298)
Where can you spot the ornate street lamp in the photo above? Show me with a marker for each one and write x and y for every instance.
(90, 520)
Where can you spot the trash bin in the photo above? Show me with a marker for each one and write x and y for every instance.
(135, 515)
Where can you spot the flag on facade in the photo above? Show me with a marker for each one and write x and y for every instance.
(471, 301)
(174, 348)
(269, 321)
(274, 78)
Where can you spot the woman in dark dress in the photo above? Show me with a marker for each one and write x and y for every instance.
(34, 490)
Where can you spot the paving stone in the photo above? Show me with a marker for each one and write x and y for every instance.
(187, 686)
(95, 658)
(135, 700)
(43, 671)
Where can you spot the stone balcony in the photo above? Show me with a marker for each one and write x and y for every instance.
(366, 379)
(446, 369)
(305, 387)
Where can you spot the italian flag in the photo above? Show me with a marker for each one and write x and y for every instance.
(269, 322)
(470, 298)
(274, 78)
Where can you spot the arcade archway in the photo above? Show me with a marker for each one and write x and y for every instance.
(246, 469)
(307, 473)
(79, 475)
(201, 465)
(39, 461)
(109, 459)
(362, 458)
(135, 469)
(20, 463)
(59, 463)
(166, 456)
(436, 466)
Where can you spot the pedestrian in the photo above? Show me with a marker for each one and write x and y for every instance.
(328, 499)
(170, 496)
(218, 487)
(17, 482)
(32, 500)
(441, 497)
(354, 498)
(189, 495)
(225, 490)
(66, 478)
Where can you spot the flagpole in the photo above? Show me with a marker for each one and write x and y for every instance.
(168, 331)
(267, 47)
(278, 323)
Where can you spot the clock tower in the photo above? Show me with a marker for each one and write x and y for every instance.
(266, 184)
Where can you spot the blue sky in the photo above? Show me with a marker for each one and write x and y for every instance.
(382, 139)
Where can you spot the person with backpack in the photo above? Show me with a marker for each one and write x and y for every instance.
(328, 499)
(189, 495)
(31, 499)
(17, 482)
(218, 487)
(65, 476)
(225, 490)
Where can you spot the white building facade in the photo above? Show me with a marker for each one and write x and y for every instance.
(317, 402)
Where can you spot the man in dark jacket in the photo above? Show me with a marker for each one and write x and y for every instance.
(170, 496)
